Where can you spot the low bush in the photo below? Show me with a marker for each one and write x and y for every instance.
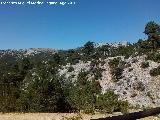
(77, 117)
(140, 86)
(70, 69)
(123, 106)
(116, 66)
(83, 93)
(97, 73)
(130, 69)
(150, 95)
(144, 64)
(114, 62)
(154, 56)
(155, 71)
(108, 102)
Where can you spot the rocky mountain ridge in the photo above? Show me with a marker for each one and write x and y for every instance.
(136, 86)
(104, 77)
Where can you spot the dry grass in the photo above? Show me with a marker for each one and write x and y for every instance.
(59, 116)
(48, 116)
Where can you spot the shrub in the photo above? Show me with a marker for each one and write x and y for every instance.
(122, 64)
(155, 71)
(83, 93)
(114, 62)
(116, 74)
(123, 106)
(102, 63)
(150, 95)
(108, 102)
(134, 60)
(81, 98)
(144, 64)
(154, 56)
(77, 117)
(43, 93)
(126, 51)
(88, 48)
(130, 69)
(70, 69)
(116, 66)
(94, 63)
(140, 86)
(97, 73)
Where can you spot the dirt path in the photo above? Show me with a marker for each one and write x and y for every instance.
(48, 116)
(58, 116)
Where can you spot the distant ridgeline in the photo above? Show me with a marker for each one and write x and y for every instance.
(116, 44)
(49, 80)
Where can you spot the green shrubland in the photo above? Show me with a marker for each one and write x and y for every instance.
(32, 83)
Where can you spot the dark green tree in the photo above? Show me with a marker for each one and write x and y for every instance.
(152, 30)
(89, 48)
(43, 93)
(82, 96)
(10, 85)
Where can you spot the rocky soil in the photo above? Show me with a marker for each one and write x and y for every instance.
(62, 116)
(136, 85)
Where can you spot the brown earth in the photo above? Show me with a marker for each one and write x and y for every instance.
(48, 116)
(59, 116)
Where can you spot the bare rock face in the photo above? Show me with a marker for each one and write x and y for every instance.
(136, 85)
(77, 68)
(26, 52)
(32, 51)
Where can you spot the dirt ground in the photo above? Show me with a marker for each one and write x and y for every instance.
(58, 116)
(48, 116)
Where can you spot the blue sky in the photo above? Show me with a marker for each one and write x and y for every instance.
(70, 26)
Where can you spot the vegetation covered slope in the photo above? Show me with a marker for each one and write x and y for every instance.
(89, 78)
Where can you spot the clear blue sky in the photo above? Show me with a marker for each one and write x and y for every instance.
(71, 26)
